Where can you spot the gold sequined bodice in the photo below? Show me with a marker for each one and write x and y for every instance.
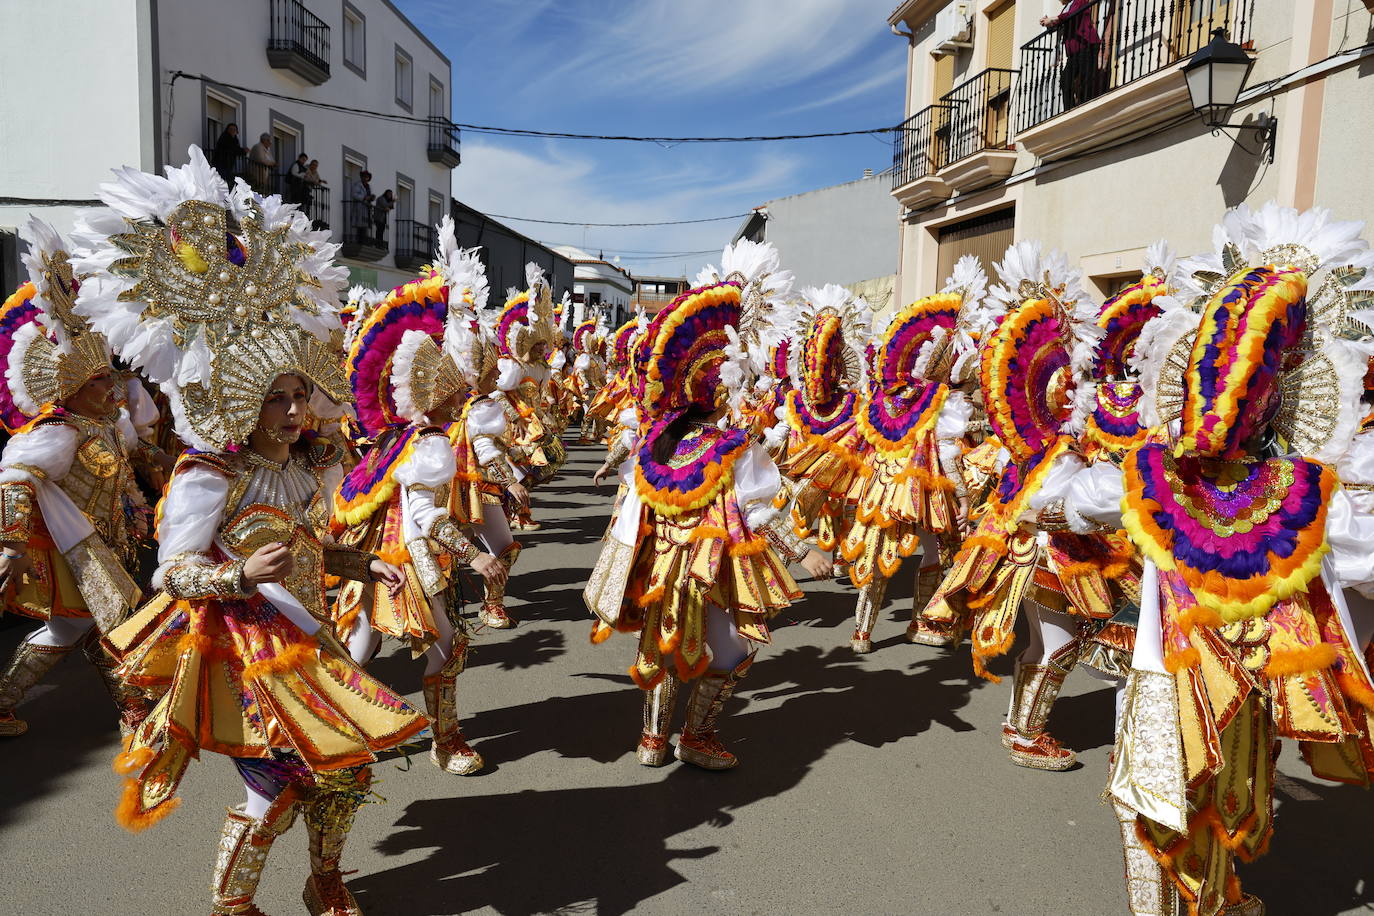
(273, 503)
(99, 478)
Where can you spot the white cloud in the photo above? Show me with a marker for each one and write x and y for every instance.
(670, 47)
(549, 182)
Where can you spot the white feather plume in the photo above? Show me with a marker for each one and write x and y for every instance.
(401, 364)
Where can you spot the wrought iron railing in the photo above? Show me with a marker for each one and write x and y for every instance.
(444, 137)
(299, 31)
(978, 115)
(414, 241)
(972, 117)
(1109, 43)
(313, 200)
(364, 224)
(916, 150)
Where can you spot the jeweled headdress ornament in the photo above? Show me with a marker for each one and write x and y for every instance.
(49, 351)
(1045, 343)
(707, 346)
(831, 327)
(527, 318)
(210, 293)
(1269, 264)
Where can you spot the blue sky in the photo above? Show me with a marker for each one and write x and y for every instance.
(662, 67)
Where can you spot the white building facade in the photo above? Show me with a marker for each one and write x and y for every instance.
(1085, 138)
(157, 76)
(599, 286)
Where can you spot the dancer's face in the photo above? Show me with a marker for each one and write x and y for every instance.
(95, 399)
(283, 411)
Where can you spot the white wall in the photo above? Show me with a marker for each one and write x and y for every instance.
(72, 104)
(227, 41)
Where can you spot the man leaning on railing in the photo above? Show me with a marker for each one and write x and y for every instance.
(1084, 77)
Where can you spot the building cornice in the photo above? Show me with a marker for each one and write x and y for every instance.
(915, 12)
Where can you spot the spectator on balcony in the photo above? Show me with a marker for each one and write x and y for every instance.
(263, 163)
(1083, 78)
(381, 212)
(360, 200)
(224, 157)
(297, 191)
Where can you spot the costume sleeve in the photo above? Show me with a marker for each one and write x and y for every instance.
(191, 515)
(1356, 471)
(757, 481)
(424, 475)
(1046, 505)
(1350, 532)
(44, 453)
(950, 428)
(486, 426)
(1093, 499)
(508, 375)
(143, 411)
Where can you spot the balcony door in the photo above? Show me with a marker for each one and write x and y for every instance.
(220, 112)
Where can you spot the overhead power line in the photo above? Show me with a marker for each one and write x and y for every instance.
(670, 222)
(523, 131)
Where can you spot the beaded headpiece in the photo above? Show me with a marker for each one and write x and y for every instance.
(527, 318)
(832, 327)
(210, 293)
(49, 352)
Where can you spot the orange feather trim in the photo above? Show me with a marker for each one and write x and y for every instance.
(1174, 662)
(600, 633)
(291, 657)
(1300, 661)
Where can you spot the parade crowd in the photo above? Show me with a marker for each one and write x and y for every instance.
(229, 477)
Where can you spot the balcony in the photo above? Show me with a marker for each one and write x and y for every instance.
(298, 41)
(977, 131)
(960, 143)
(445, 143)
(1112, 69)
(917, 153)
(363, 239)
(414, 244)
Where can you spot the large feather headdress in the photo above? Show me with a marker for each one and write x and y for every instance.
(47, 351)
(211, 293)
(1275, 260)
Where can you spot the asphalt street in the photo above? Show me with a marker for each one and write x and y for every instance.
(867, 784)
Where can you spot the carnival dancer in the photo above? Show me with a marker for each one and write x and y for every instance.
(70, 510)
(524, 335)
(695, 558)
(614, 395)
(1022, 555)
(825, 456)
(404, 371)
(913, 421)
(1248, 540)
(589, 375)
(227, 301)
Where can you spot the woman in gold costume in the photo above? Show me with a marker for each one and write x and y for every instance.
(228, 300)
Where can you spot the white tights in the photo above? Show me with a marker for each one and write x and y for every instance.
(61, 631)
(363, 641)
(1051, 631)
(930, 549)
(728, 647)
(494, 532)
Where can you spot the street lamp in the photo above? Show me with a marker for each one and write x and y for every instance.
(1216, 74)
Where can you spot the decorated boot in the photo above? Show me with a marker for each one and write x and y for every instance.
(328, 818)
(450, 751)
(494, 601)
(243, 848)
(658, 722)
(26, 668)
(698, 744)
(1034, 691)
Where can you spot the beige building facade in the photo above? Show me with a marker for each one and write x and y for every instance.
(1082, 134)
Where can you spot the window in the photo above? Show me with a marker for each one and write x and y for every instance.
(220, 112)
(355, 40)
(986, 235)
(405, 79)
(436, 207)
(405, 198)
(437, 109)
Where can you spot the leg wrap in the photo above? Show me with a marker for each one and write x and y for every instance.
(132, 705)
(243, 848)
(698, 743)
(450, 751)
(1034, 691)
(26, 668)
(328, 815)
(494, 601)
(658, 722)
(866, 613)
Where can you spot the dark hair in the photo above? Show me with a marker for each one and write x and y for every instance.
(666, 444)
